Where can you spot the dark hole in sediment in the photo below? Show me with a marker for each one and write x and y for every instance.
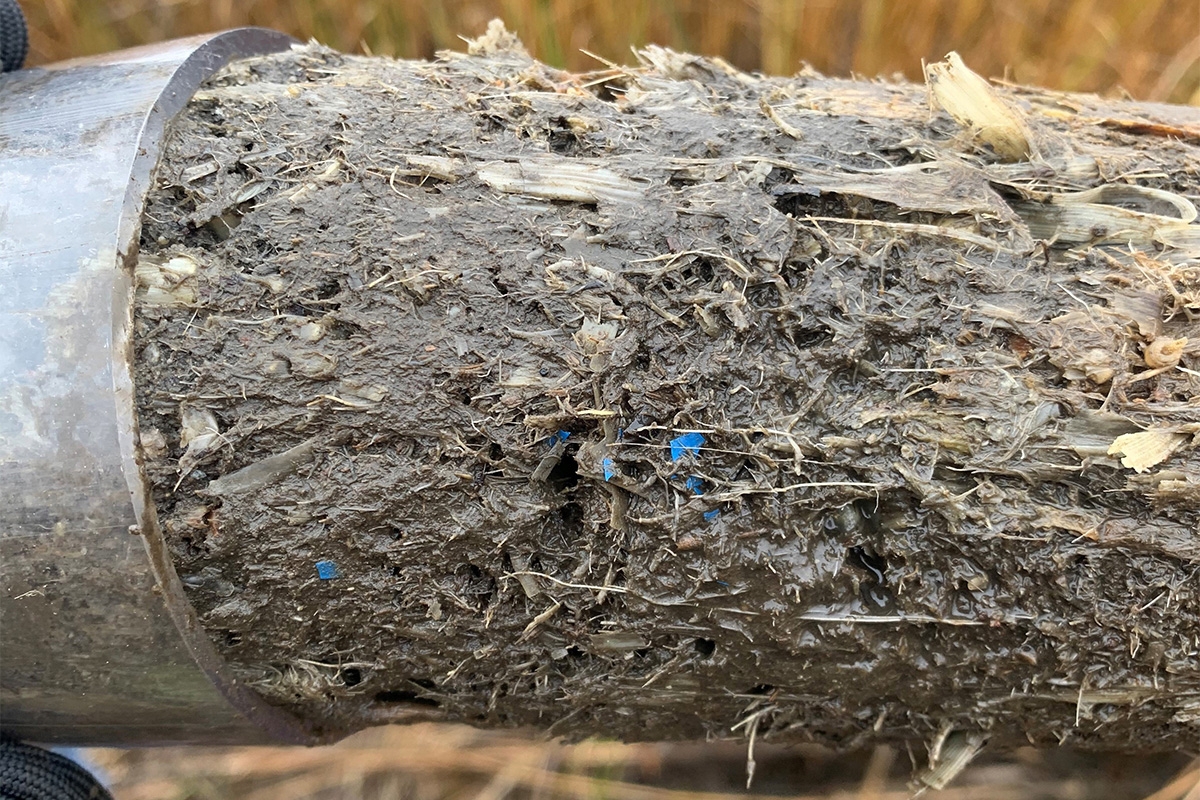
(871, 563)
(565, 474)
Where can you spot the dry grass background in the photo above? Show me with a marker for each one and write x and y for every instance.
(431, 762)
(1149, 49)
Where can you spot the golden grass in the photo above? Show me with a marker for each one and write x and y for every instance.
(439, 762)
(1148, 48)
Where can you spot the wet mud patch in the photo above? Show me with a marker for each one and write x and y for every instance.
(605, 404)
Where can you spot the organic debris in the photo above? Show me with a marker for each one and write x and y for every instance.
(976, 105)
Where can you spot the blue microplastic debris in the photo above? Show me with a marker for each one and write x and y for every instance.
(711, 515)
(561, 436)
(688, 443)
(610, 469)
(327, 570)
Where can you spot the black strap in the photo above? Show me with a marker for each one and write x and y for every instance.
(14, 37)
(31, 773)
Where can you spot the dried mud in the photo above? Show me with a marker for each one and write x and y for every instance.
(672, 402)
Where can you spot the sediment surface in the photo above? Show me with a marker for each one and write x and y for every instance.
(672, 402)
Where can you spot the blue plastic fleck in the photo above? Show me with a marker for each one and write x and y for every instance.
(327, 570)
(688, 443)
(711, 515)
(561, 436)
(695, 484)
(609, 468)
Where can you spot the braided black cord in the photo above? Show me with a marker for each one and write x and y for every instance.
(14, 37)
(31, 773)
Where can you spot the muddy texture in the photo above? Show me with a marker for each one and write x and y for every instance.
(673, 402)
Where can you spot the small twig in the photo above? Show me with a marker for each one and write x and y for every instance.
(527, 634)
(780, 122)
(918, 229)
(914, 618)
